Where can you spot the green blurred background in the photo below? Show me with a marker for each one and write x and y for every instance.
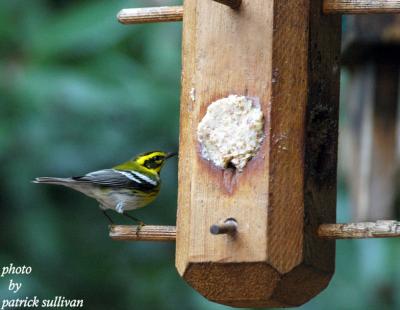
(81, 92)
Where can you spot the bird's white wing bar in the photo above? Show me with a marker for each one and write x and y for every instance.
(128, 175)
(145, 178)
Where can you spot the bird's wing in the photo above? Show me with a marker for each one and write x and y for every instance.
(119, 179)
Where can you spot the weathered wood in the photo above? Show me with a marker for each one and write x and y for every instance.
(145, 233)
(234, 4)
(286, 54)
(361, 6)
(151, 15)
(379, 229)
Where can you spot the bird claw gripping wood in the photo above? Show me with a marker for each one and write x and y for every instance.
(139, 227)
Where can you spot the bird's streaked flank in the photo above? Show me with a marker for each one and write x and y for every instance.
(128, 186)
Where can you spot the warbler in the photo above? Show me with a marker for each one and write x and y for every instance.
(127, 186)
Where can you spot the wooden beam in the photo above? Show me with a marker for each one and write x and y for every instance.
(145, 233)
(379, 229)
(285, 53)
(361, 6)
(151, 15)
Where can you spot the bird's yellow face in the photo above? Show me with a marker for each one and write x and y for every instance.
(153, 161)
(150, 162)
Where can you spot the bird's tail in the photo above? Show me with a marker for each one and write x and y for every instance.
(50, 180)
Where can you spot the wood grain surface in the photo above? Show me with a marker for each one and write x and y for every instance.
(285, 54)
(151, 15)
(145, 233)
(222, 56)
(361, 6)
(379, 229)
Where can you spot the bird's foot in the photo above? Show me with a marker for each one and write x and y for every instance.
(109, 218)
(139, 227)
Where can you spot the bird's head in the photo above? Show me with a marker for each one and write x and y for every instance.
(152, 161)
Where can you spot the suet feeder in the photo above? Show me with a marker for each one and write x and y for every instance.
(254, 223)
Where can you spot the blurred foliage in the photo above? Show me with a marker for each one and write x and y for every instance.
(81, 92)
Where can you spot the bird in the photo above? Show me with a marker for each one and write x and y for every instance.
(127, 186)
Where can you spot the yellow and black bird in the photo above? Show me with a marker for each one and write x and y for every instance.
(128, 186)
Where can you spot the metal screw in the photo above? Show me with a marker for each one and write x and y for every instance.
(228, 227)
(234, 4)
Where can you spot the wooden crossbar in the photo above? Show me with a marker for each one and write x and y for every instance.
(151, 15)
(378, 229)
(361, 6)
(145, 233)
(175, 13)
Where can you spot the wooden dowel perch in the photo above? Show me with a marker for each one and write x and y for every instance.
(161, 14)
(175, 13)
(151, 15)
(361, 6)
(379, 229)
(145, 233)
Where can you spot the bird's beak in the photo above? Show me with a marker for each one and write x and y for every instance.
(169, 155)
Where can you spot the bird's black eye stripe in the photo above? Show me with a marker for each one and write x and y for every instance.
(157, 158)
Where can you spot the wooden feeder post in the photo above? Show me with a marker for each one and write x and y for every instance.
(264, 236)
(285, 53)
